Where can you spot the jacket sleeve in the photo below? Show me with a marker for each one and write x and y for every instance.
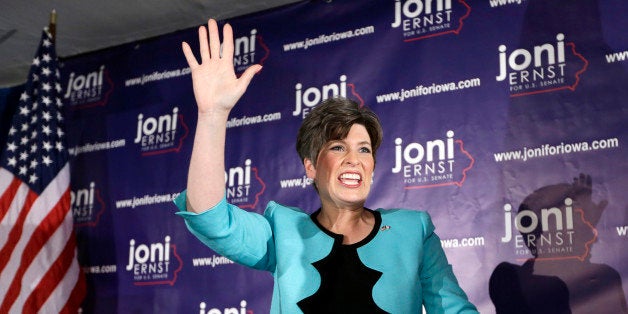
(242, 236)
(441, 291)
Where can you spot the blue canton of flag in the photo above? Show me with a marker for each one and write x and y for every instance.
(38, 266)
(35, 149)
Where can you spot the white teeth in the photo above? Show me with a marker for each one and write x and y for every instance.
(350, 176)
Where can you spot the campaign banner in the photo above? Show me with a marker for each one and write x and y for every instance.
(504, 120)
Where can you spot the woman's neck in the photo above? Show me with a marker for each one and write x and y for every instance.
(354, 224)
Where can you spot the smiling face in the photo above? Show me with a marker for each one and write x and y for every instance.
(344, 170)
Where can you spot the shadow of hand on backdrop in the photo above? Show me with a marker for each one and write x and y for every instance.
(557, 225)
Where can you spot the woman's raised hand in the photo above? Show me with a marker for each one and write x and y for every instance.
(216, 87)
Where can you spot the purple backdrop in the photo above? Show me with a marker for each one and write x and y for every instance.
(490, 110)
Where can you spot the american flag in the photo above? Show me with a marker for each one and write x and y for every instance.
(39, 271)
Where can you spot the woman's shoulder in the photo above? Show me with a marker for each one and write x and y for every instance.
(403, 213)
(276, 209)
(408, 219)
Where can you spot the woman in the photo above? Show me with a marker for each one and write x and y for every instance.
(343, 258)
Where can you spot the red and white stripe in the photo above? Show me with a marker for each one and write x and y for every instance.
(39, 271)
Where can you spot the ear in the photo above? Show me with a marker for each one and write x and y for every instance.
(310, 168)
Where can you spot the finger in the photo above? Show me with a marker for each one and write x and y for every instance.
(203, 45)
(189, 55)
(214, 39)
(247, 76)
(227, 42)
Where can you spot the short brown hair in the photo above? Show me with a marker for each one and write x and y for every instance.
(331, 120)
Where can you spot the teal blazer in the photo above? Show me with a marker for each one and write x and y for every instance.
(285, 241)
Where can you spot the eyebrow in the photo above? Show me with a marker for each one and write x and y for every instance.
(365, 142)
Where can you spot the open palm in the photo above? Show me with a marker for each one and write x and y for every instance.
(216, 87)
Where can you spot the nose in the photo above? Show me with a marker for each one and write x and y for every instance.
(352, 158)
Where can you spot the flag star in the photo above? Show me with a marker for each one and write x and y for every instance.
(12, 161)
(45, 71)
(11, 147)
(33, 178)
(24, 111)
(47, 146)
(59, 103)
(59, 116)
(46, 160)
(35, 138)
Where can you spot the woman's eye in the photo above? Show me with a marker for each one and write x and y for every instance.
(337, 147)
(365, 150)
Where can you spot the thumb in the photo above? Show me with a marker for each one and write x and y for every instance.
(248, 75)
